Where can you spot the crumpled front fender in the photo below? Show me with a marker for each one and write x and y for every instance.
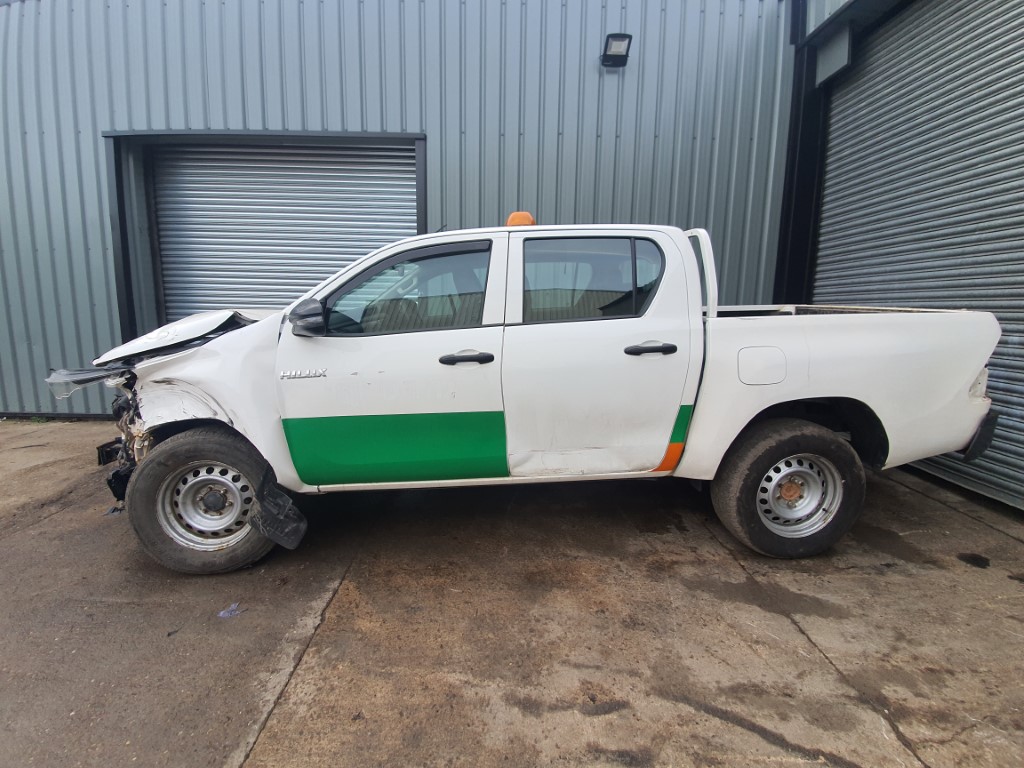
(231, 380)
(165, 401)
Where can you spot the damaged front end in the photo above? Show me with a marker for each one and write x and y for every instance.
(169, 382)
(116, 370)
(133, 444)
(128, 449)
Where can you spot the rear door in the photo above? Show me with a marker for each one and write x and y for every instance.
(598, 350)
(406, 386)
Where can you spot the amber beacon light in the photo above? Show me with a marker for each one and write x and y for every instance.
(520, 219)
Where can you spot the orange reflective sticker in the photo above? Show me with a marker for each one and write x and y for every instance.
(672, 456)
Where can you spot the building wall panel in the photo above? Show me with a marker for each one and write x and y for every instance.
(517, 111)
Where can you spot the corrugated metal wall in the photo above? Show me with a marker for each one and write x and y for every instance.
(924, 193)
(516, 109)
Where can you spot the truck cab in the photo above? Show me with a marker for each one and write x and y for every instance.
(497, 353)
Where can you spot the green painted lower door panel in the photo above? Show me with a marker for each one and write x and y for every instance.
(397, 448)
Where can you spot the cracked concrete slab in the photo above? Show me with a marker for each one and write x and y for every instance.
(618, 624)
(935, 621)
(607, 624)
(108, 659)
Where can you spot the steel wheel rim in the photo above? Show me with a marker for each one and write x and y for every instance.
(799, 495)
(206, 505)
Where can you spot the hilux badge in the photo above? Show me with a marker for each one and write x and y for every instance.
(306, 373)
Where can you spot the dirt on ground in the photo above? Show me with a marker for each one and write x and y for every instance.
(611, 623)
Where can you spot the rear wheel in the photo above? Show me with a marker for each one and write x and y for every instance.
(789, 488)
(190, 500)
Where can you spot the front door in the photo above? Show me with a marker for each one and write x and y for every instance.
(406, 386)
(597, 353)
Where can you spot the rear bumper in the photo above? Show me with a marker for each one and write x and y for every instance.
(982, 438)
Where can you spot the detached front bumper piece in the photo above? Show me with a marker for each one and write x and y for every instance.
(64, 383)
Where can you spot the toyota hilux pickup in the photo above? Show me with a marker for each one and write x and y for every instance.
(530, 354)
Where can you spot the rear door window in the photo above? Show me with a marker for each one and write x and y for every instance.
(570, 279)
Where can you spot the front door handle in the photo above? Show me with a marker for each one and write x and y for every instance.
(651, 349)
(468, 357)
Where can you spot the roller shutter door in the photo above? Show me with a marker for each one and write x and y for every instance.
(924, 193)
(248, 226)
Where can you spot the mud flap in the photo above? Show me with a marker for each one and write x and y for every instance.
(277, 518)
(982, 438)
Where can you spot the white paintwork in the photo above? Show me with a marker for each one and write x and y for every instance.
(180, 331)
(390, 374)
(256, 313)
(230, 379)
(186, 329)
(399, 373)
(759, 366)
(707, 262)
(914, 370)
(577, 407)
(575, 403)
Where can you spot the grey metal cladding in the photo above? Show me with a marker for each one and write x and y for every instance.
(819, 11)
(516, 110)
(924, 196)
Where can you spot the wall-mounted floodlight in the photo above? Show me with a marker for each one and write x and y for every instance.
(616, 50)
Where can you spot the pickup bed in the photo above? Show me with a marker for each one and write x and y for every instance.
(531, 354)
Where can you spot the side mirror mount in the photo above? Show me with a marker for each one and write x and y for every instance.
(307, 318)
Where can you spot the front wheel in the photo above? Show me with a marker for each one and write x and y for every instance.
(789, 488)
(190, 500)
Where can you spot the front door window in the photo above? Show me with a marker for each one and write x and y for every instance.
(418, 292)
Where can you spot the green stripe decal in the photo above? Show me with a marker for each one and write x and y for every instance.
(398, 447)
(682, 424)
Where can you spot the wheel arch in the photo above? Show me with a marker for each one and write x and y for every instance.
(169, 407)
(161, 432)
(166, 413)
(843, 415)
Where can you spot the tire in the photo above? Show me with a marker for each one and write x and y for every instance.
(189, 500)
(789, 488)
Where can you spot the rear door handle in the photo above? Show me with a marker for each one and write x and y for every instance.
(469, 357)
(652, 349)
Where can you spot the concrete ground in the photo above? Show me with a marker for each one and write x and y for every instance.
(610, 624)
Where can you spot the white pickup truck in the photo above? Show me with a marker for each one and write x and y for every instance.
(531, 354)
